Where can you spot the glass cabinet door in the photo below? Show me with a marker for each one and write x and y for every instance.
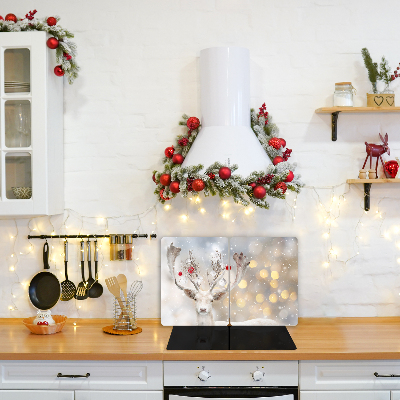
(18, 175)
(17, 123)
(17, 67)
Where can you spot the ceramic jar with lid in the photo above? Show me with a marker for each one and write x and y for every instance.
(343, 95)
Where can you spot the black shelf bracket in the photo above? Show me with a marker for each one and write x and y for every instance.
(367, 196)
(335, 117)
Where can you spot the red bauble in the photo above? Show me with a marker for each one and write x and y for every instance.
(290, 177)
(391, 168)
(283, 142)
(51, 21)
(282, 186)
(59, 71)
(162, 196)
(259, 192)
(198, 185)
(277, 160)
(165, 179)
(169, 151)
(154, 179)
(1, 18)
(225, 173)
(193, 123)
(174, 187)
(275, 142)
(11, 17)
(252, 184)
(177, 158)
(52, 43)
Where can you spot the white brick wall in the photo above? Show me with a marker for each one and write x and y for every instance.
(139, 74)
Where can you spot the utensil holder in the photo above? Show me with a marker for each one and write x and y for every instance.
(125, 314)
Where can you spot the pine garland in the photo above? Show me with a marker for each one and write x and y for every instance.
(236, 186)
(66, 50)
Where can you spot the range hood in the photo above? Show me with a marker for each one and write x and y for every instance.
(226, 135)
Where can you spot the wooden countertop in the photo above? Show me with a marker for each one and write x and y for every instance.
(315, 338)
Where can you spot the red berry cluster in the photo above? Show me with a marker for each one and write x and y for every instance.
(396, 73)
(67, 56)
(31, 15)
(265, 179)
(263, 113)
(189, 182)
(211, 176)
(183, 142)
(286, 154)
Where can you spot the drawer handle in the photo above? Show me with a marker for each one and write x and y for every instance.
(60, 375)
(386, 376)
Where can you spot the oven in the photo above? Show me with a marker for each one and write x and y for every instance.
(236, 380)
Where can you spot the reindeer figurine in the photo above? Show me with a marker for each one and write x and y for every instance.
(204, 298)
(376, 150)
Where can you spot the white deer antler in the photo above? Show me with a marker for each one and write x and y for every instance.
(217, 271)
(172, 253)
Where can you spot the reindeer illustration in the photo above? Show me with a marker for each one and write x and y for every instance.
(204, 298)
(376, 150)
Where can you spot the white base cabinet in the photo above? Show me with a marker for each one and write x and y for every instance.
(35, 395)
(344, 395)
(117, 395)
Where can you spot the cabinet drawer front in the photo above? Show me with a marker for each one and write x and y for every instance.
(35, 395)
(345, 395)
(103, 375)
(117, 395)
(351, 375)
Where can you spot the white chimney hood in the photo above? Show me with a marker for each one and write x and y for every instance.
(225, 106)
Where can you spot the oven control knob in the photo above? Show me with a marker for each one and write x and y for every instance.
(257, 375)
(204, 375)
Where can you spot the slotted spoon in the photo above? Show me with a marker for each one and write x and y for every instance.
(68, 288)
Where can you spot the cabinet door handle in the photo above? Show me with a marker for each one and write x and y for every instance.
(60, 375)
(386, 376)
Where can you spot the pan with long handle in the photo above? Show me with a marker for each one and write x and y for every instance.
(44, 289)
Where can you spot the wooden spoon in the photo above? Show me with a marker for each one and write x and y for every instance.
(123, 284)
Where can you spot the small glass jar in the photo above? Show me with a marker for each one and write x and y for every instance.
(113, 247)
(128, 247)
(343, 96)
(120, 247)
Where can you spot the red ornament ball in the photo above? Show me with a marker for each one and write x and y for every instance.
(11, 17)
(225, 173)
(259, 192)
(154, 179)
(52, 43)
(193, 123)
(198, 185)
(391, 168)
(169, 151)
(1, 18)
(283, 142)
(276, 143)
(165, 179)
(282, 186)
(162, 195)
(59, 71)
(177, 158)
(277, 160)
(252, 184)
(174, 187)
(290, 177)
(51, 21)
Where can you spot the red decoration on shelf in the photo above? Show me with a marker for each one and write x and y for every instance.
(290, 177)
(283, 141)
(376, 150)
(225, 173)
(67, 56)
(52, 43)
(259, 192)
(211, 176)
(51, 21)
(193, 123)
(253, 185)
(276, 143)
(183, 142)
(169, 151)
(282, 186)
(198, 185)
(286, 154)
(165, 179)
(154, 179)
(391, 168)
(263, 113)
(177, 159)
(58, 70)
(174, 187)
(277, 160)
(180, 273)
(11, 17)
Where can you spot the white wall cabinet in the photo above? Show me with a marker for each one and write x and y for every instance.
(31, 127)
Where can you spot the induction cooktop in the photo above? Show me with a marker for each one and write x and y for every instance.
(230, 338)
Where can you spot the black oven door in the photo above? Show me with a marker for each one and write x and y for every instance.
(228, 393)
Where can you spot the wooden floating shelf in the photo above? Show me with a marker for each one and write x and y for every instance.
(367, 187)
(336, 110)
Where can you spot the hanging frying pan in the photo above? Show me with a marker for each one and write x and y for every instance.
(44, 289)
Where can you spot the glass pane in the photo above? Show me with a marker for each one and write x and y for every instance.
(17, 70)
(18, 176)
(18, 123)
